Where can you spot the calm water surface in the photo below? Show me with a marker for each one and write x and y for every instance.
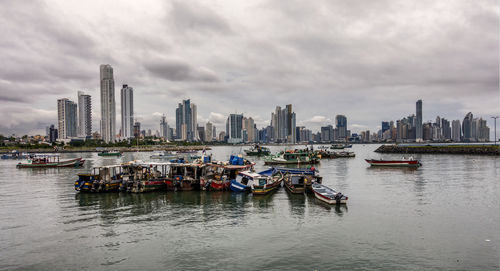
(442, 216)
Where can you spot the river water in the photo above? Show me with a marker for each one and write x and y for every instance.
(442, 216)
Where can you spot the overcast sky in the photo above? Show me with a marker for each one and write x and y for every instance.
(368, 60)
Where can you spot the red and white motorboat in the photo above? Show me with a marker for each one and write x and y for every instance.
(328, 195)
(405, 162)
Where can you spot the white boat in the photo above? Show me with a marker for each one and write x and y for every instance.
(162, 155)
(328, 195)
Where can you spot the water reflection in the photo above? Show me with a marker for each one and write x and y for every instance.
(297, 203)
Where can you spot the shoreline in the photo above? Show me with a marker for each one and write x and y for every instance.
(492, 150)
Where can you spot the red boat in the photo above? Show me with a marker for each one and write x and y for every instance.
(218, 177)
(410, 162)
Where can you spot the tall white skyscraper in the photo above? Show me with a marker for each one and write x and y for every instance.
(209, 128)
(84, 115)
(127, 98)
(66, 118)
(108, 113)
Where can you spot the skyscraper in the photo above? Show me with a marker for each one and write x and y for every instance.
(248, 125)
(66, 118)
(127, 98)
(418, 124)
(456, 131)
(84, 115)
(283, 122)
(341, 122)
(209, 129)
(234, 127)
(108, 113)
(164, 131)
(467, 127)
(186, 121)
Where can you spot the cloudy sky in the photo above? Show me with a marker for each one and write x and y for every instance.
(368, 60)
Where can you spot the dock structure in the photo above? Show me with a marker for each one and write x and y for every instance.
(473, 149)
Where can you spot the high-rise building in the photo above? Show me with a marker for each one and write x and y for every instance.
(418, 124)
(209, 129)
(234, 127)
(66, 118)
(467, 127)
(186, 121)
(127, 99)
(201, 132)
(164, 129)
(456, 131)
(341, 122)
(248, 126)
(385, 126)
(84, 115)
(108, 113)
(327, 133)
(445, 129)
(137, 129)
(283, 122)
(52, 134)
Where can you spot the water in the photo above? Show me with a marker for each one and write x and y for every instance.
(442, 216)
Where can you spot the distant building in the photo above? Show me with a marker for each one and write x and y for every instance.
(66, 118)
(209, 129)
(249, 127)
(283, 122)
(456, 131)
(137, 129)
(108, 113)
(201, 132)
(327, 133)
(341, 123)
(385, 126)
(84, 115)
(52, 134)
(467, 128)
(127, 102)
(418, 124)
(222, 136)
(234, 127)
(164, 129)
(186, 121)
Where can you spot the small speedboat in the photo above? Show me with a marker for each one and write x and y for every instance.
(328, 195)
(405, 162)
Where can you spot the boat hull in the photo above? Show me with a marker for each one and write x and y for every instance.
(78, 162)
(394, 163)
(238, 187)
(328, 200)
(295, 189)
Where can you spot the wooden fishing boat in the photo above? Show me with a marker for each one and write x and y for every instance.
(258, 150)
(338, 146)
(311, 176)
(50, 161)
(101, 179)
(218, 176)
(410, 162)
(292, 158)
(295, 183)
(267, 184)
(141, 177)
(328, 195)
(343, 154)
(244, 181)
(184, 176)
(109, 153)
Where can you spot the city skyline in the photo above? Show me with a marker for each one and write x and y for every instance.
(199, 56)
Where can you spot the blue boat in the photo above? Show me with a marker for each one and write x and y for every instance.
(305, 171)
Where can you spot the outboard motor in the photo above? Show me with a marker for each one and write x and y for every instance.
(338, 197)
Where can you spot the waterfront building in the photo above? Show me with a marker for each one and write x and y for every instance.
(84, 115)
(249, 127)
(137, 129)
(186, 121)
(201, 132)
(283, 122)
(66, 118)
(53, 134)
(456, 131)
(427, 131)
(385, 126)
(341, 123)
(418, 122)
(209, 129)
(467, 127)
(327, 133)
(164, 129)
(108, 113)
(222, 136)
(446, 129)
(127, 103)
(234, 127)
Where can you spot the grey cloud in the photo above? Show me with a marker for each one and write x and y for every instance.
(190, 17)
(177, 70)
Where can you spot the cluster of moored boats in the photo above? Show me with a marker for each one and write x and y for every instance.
(235, 175)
